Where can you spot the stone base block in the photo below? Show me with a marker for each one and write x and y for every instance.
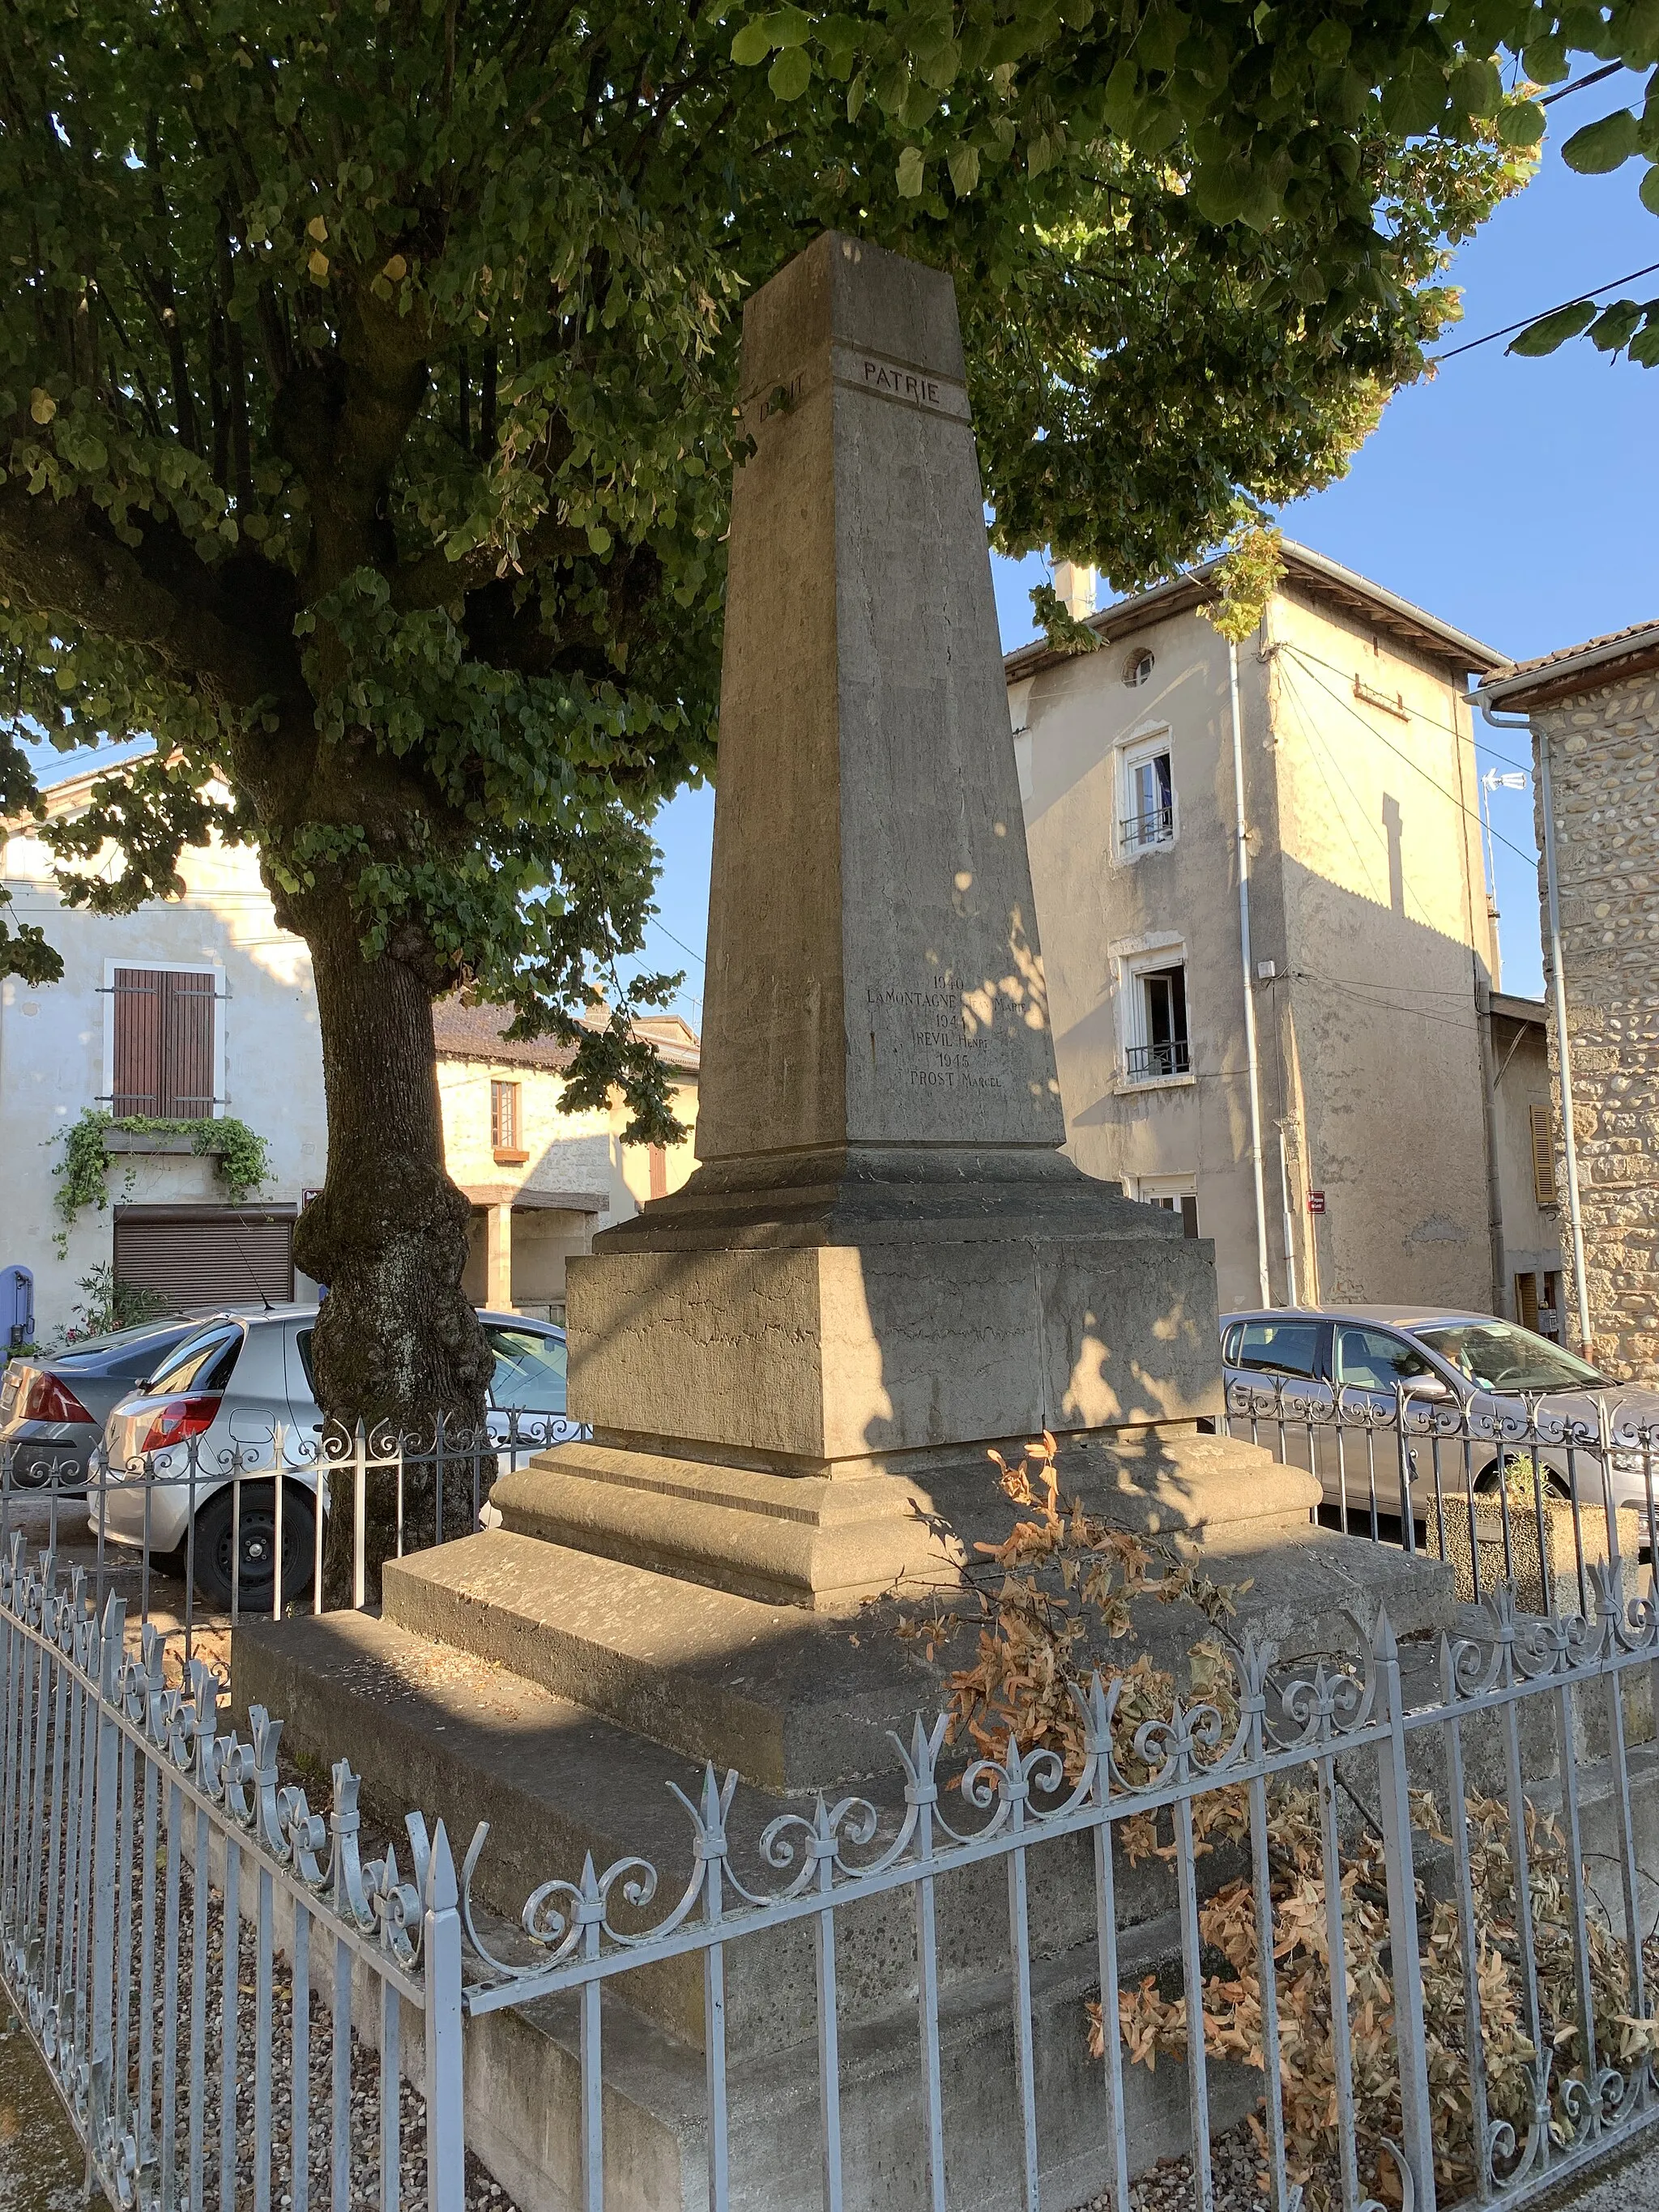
(829, 1542)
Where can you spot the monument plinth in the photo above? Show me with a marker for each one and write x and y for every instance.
(884, 1263)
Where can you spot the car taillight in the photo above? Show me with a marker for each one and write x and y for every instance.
(179, 1419)
(48, 1401)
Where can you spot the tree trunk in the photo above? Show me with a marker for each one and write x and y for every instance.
(397, 1341)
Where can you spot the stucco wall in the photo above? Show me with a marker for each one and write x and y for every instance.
(1604, 763)
(1532, 1233)
(54, 1053)
(1368, 899)
(1374, 1017)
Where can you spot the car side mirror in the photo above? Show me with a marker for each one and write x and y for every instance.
(1432, 1387)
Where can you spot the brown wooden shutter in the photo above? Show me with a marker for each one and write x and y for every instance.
(201, 1259)
(659, 1172)
(137, 1088)
(163, 1044)
(1543, 1155)
(187, 1003)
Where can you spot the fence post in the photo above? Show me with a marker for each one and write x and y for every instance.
(100, 2037)
(359, 1518)
(1394, 1801)
(446, 2136)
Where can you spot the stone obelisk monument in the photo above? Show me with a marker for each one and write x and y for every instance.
(884, 1263)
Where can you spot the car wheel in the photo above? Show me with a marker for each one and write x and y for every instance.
(30, 1471)
(1555, 1487)
(255, 1575)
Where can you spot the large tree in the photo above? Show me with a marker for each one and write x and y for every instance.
(367, 380)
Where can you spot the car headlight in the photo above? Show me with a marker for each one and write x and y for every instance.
(1628, 1463)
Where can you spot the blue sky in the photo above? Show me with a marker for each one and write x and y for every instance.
(1510, 497)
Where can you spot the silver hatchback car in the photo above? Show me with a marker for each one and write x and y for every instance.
(236, 1399)
(1503, 1382)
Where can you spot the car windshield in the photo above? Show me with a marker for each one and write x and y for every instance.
(1496, 1355)
(203, 1363)
(122, 1353)
(529, 1369)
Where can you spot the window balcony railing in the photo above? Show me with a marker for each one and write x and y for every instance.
(1174, 1058)
(1155, 827)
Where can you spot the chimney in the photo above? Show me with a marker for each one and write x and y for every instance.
(1074, 588)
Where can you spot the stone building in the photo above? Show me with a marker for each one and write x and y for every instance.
(1395, 1086)
(1593, 712)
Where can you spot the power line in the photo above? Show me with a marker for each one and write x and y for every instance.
(1579, 84)
(1577, 299)
(656, 923)
(1451, 797)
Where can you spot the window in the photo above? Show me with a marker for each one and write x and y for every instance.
(1137, 670)
(203, 1363)
(1375, 1359)
(530, 1370)
(506, 1123)
(1543, 1155)
(1158, 1004)
(1147, 797)
(164, 1058)
(1498, 1356)
(1185, 1205)
(1281, 1347)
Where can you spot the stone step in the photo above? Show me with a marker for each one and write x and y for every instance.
(793, 1700)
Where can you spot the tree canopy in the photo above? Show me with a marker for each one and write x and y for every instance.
(367, 378)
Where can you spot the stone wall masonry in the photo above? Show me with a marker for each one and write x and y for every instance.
(1604, 763)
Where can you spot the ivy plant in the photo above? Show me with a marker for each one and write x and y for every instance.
(242, 1157)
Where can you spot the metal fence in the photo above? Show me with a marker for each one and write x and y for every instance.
(153, 1876)
(1515, 1493)
(194, 1531)
(1253, 1886)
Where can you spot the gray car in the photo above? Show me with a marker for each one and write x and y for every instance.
(1505, 1384)
(53, 1406)
(237, 1399)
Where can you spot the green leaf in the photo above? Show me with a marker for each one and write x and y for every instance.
(1328, 42)
(963, 164)
(1545, 60)
(939, 68)
(1616, 326)
(1649, 190)
(791, 73)
(1644, 346)
(855, 96)
(1603, 145)
(1121, 103)
(598, 539)
(1553, 329)
(751, 46)
(910, 166)
(1476, 87)
(1414, 98)
(1520, 124)
(789, 27)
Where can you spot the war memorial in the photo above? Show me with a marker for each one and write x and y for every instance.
(793, 1368)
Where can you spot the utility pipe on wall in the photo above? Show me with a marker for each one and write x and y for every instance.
(1559, 997)
(1241, 838)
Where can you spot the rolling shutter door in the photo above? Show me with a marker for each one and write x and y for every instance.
(202, 1258)
(163, 1044)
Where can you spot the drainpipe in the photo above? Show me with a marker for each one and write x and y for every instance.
(1289, 1223)
(1240, 839)
(1559, 997)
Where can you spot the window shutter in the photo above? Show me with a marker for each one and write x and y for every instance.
(1543, 1155)
(659, 1172)
(137, 1088)
(187, 1003)
(203, 1258)
(163, 1044)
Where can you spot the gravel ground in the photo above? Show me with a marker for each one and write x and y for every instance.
(1235, 2163)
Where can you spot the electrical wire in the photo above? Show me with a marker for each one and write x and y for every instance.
(1450, 797)
(1593, 292)
(1579, 84)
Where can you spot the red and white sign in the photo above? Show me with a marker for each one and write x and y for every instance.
(1316, 1201)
